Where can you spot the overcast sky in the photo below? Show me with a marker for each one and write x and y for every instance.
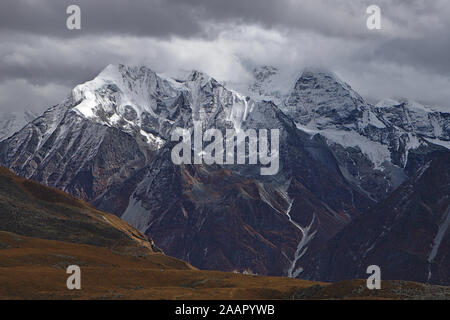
(41, 60)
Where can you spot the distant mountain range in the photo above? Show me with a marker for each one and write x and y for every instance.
(344, 164)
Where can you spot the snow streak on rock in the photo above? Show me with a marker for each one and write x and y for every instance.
(438, 239)
(307, 236)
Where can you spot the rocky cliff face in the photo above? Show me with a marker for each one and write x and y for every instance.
(11, 122)
(231, 218)
(67, 151)
(109, 143)
(407, 234)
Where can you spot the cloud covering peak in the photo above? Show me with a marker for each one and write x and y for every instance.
(41, 61)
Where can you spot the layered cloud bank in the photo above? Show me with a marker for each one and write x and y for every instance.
(40, 60)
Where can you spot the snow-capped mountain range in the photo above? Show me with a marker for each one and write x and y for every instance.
(109, 143)
(384, 134)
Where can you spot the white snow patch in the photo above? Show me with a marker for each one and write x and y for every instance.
(302, 247)
(369, 118)
(438, 239)
(411, 105)
(443, 143)
(377, 153)
(157, 141)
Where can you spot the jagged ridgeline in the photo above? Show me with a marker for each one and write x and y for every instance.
(109, 143)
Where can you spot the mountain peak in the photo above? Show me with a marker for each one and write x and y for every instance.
(319, 71)
(199, 76)
(321, 96)
(117, 72)
(11, 122)
(262, 73)
(269, 83)
(125, 97)
(322, 78)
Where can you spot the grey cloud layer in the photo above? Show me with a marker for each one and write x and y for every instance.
(138, 17)
(186, 17)
(42, 60)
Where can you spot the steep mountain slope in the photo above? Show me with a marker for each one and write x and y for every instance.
(230, 217)
(81, 153)
(427, 121)
(30, 209)
(217, 218)
(269, 83)
(407, 234)
(11, 122)
(108, 128)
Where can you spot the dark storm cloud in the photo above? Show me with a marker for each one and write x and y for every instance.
(139, 17)
(431, 53)
(162, 18)
(148, 17)
(42, 60)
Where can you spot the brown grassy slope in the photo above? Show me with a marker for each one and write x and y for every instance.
(33, 268)
(31, 209)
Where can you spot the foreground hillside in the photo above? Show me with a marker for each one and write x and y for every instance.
(42, 231)
(30, 209)
(32, 268)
